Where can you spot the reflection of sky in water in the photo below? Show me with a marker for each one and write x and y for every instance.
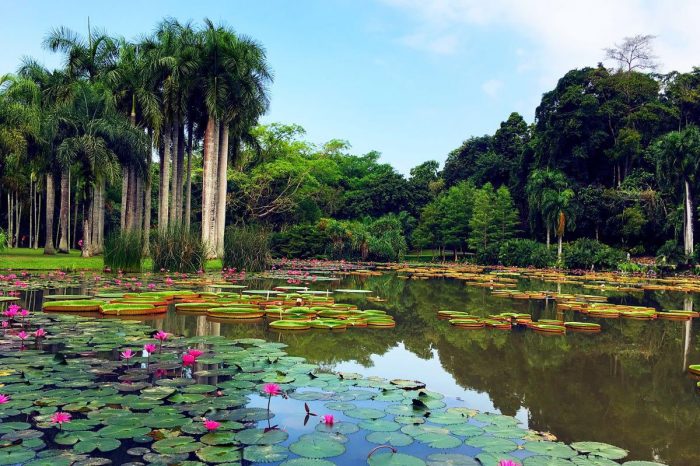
(398, 363)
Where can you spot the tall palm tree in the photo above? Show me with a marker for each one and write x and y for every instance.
(678, 167)
(539, 184)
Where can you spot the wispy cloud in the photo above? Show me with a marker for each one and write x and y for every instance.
(492, 87)
(560, 35)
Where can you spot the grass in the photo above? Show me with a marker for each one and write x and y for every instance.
(34, 259)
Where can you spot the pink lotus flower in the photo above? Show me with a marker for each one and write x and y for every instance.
(127, 354)
(328, 419)
(169, 281)
(60, 418)
(211, 425)
(40, 332)
(188, 360)
(272, 389)
(4, 399)
(24, 312)
(195, 353)
(151, 286)
(508, 463)
(150, 348)
(22, 335)
(161, 336)
(5, 324)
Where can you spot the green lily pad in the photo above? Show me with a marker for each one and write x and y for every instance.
(605, 450)
(265, 453)
(560, 450)
(215, 454)
(307, 462)
(96, 443)
(218, 438)
(546, 461)
(451, 459)
(317, 448)
(492, 444)
(15, 455)
(364, 413)
(176, 445)
(344, 428)
(388, 458)
(395, 439)
(261, 437)
(380, 425)
(122, 432)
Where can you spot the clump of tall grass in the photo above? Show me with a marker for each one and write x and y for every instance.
(177, 249)
(124, 251)
(247, 248)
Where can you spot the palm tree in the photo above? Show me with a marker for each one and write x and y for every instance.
(557, 211)
(541, 183)
(678, 167)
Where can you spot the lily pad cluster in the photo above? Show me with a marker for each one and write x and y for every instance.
(75, 397)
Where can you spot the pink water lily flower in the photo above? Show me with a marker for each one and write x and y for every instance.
(328, 419)
(195, 352)
(149, 347)
(40, 332)
(60, 418)
(24, 312)
(5, 324)
(188, 360)
(22, 335)
(211, 425)
(127, 354)
(161, 335)
(272, 389)
(168, 281)
(4, 399)
(151, 286)
(508, 463)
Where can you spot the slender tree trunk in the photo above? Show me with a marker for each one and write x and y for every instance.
(10, 216)
(69, 204)
(100, 246)
(211, 139)
(63, 213)
(50, 205)
(138, 198)
(188, 195)
(37, 221)
(172, 217)
(147, 201)
(559, 249)
(125, 191)
(87, 243)
(165, 180)
(180, 173)
(548, 240)
(688, 236)
(222, 188)
(31, 211)
(18, 220)
(75, 221)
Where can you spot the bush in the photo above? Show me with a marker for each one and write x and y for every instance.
(526, 253)
(300, 241)
(177, 249)
(670, 253)
(3, 240)
(585, 253)
(247, 248)
(124, 251)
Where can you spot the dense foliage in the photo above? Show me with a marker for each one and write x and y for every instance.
(177, 249)
(123, 252)
(246, 248)
(613, 155)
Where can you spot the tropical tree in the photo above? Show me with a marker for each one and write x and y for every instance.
(677, 157)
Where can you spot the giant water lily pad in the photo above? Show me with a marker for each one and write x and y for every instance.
(214, 454)
(261, 436)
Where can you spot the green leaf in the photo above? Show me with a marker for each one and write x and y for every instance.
(175, 445)
(317, 448)
(394, 459)
(260, 437)
(451, 459)
(395, 439)
(605, 450)
(214, 454)
(265, 453)
(96, 443)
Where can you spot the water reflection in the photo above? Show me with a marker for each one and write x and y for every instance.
(626, 386)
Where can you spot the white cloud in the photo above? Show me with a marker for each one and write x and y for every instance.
(561, 35)
(441, 44)
(492, 87)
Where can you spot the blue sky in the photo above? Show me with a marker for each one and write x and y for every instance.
(409, 78)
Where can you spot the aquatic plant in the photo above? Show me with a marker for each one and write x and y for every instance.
(246, 248)
(124, 251)
(61, 418)
(177, 249)
(211, 425)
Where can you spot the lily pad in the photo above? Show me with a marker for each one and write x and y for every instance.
(265, 453)
(317, 448)
(451, 459)
(605, 450)
(395, 439)
(215, 454)
(261, 436)
(394, 459)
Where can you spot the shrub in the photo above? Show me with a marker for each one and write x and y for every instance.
(3, 240)
(177, 249)
(300, 241)
(247, 248)
(526, 253)
(670, 253)
(585, 253)
(124, 251)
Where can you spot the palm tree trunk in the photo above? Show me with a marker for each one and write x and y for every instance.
(172, 217)
(125, 191)
(10, 214)
(87, 243)
(180, 173)
(559, 249)
(31, 211)
(69, 204)
(50, 205)
(188, 195)
(165, 179)
(37, 220)
(75, 221)
(688, 235)
(211, 142)
(147, 201)
(221, 190)
(548, 240)
(138, 199)
(100, 246)
(63, 213)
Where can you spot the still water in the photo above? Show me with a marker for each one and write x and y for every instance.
(626, 386)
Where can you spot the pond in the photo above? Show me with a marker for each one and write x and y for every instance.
(627, 385)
